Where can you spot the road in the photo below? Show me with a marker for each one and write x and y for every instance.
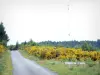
(23, 66)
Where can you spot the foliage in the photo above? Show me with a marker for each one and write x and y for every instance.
(3, 36)
(71, 44)
(14, 47)
(87, 46)
(31, 43)
(2, 48)
(98, 43)
(62, 53)
(5, 61)
(91, 68)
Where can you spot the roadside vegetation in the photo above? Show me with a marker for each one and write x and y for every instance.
(62, 53)
(5, 60)
(54, 58)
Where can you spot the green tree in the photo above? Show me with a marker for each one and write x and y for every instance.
(3, 36)
(17, 46)
(32, 43)
(86, 46)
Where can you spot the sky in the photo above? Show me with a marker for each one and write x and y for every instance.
(43, 20)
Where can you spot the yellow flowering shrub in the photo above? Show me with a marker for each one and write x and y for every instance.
(2, 49)
(62, 53)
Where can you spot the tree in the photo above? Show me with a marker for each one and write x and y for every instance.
(86, 46)
(98, 43)
(17, 46)
(11, 47)
(3, 36)
(32, 43)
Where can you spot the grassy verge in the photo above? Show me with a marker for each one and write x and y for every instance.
(5, 64)
(62, 69)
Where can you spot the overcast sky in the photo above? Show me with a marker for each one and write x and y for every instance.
(50, 19)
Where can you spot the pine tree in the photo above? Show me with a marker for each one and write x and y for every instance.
(3, 36)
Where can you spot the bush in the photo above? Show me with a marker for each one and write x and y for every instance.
(62, 53)
(2, 48)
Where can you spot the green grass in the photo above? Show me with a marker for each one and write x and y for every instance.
(5, 64)
(57, 66)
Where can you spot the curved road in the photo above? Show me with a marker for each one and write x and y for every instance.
(23, 66)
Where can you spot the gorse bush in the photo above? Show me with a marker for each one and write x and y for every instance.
(2, 48)
(62, 53)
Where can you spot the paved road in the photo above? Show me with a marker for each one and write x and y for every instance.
(23, 66)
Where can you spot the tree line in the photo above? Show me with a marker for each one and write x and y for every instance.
(85, 45)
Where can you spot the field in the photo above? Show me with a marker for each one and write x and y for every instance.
(56, 63)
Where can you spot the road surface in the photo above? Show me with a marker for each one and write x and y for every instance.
(23, 66)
